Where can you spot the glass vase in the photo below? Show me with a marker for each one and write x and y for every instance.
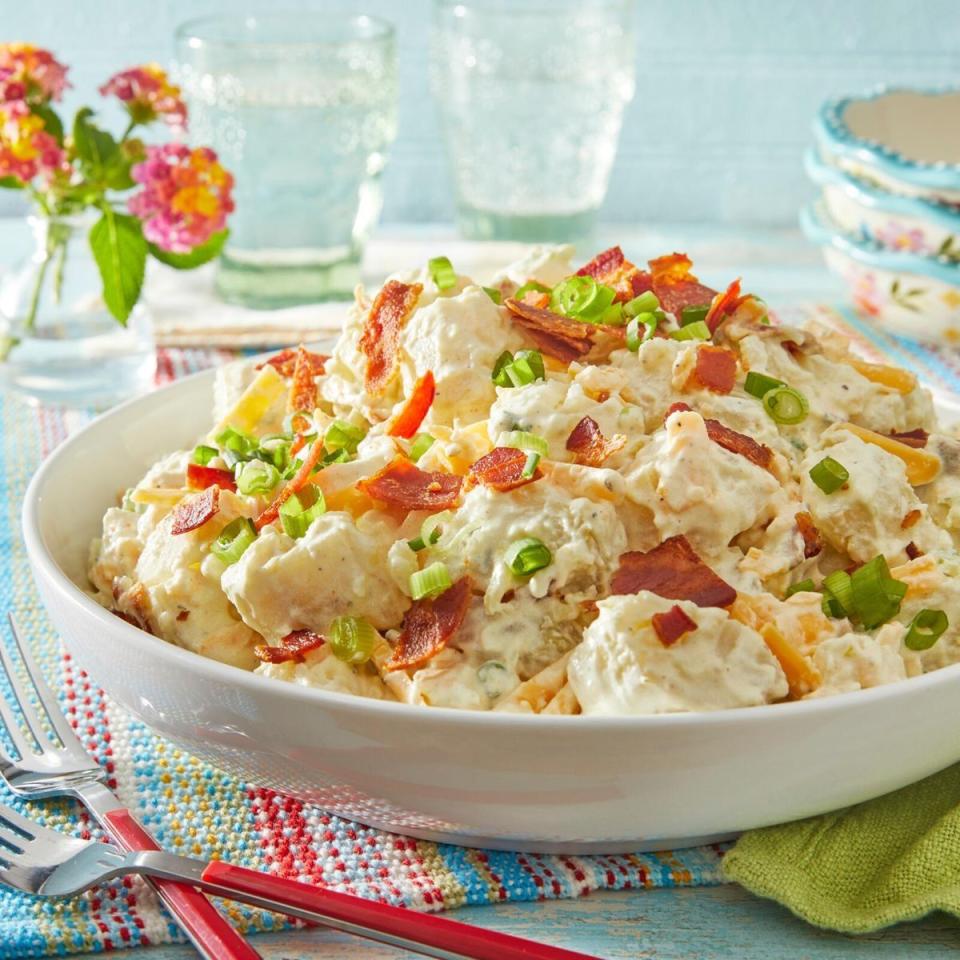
(58, 342)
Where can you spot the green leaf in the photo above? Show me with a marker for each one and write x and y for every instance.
(11, 183)
(121, 254)
(197, 256)
(95, 148)
(51, 122)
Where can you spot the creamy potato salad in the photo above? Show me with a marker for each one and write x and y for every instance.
(611, 490)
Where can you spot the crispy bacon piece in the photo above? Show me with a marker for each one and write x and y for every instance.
(757, 453)
(678, 407)
(196, 511)
(603, 264)
(913, 551)
(724, 304)
(292, 647)
(299, 442)
(614, 270)
(401, 484)
(285, 361)
(299, 480)
(555, 335)
(199, 477)
(589, 446)
(303, 389)
(501, 469)
(672, 625)
(429, 625)
(381, 331)
(672, 570)
(415, 409)
(910, 519)
(673, 282)
(812, 541)
(912, 438)
(716, 369)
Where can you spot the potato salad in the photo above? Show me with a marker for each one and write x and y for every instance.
(608, 490)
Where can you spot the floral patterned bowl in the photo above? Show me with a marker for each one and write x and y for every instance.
(905, 293)
(903, 141)
(908, 224)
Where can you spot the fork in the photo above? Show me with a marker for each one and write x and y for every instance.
(47, 863)
(65, 769)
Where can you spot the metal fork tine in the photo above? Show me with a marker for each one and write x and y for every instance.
(12, 845)
(24, 747)
(23, 701)
(47, 697)
(28, 828)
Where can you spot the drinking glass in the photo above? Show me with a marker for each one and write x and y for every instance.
(531, 98)
(302, 109)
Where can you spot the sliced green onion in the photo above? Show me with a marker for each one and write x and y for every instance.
(442, 273)
(839, 587)
(499, 375)
(785, 405)
(758, 384)
(494, 294)
(634, 337)
(876, 595)
(531, 286)
(926, 628)
(692, 331)
(255, 477)
(352, 639)
(602, 309)
(275, 450)
(236, 442)
(430, 531)
(802, 586)
(422, 442)
(335, 456)
(522, 440)
(530, 467)
(829, 475)
(341, 435)
(203, 454)
(430, 582)
(831, 608)
(527, 556)
(573, 295)
(233, 541)
(690, 315)
(300, 509)
(526, 367)
(645, 303)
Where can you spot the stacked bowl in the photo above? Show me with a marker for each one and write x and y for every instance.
(888, 215)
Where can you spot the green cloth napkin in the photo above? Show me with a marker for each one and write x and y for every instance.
(884, 861)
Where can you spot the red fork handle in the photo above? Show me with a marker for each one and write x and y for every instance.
(367, 918)
(209, 930)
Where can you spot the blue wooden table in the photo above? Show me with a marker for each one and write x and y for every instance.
(707, 923)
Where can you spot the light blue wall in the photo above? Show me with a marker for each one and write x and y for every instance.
(725, 90)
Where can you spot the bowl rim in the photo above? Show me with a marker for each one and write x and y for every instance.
(836, 137)
(826, 175)
(818, 226)
(148, 645)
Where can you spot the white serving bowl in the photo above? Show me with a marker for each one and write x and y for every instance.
(903, 141)
(545, 783)
(905, 224)
(907, 294)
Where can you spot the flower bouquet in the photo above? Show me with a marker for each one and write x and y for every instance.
(168, 201)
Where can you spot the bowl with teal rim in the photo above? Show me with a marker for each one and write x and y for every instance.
(905, 224)
(900, 140)
(907, 294)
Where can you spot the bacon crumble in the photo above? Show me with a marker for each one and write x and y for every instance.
(554, 334)
(672, 625)
(912, 438)
(589, 446)
(292, 647)
(401, 484)
(429, 625)
(672, 570)
(716, 369)
(910, 519)
(300, 479)
(285, 361)
(675, 286)
(913, 551)
(613, 269)
(200, 477)
(723, 305)
(757, 453)
(380, 338)
(415, 409)
(196, 511)
(501, 469)
(303, 389)
(812, 541)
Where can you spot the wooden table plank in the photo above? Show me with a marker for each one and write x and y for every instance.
(705, 923)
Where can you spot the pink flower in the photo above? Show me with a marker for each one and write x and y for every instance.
(186, 196)
(147, 94)
(30, 73)
(899, 237)
(26, 149)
